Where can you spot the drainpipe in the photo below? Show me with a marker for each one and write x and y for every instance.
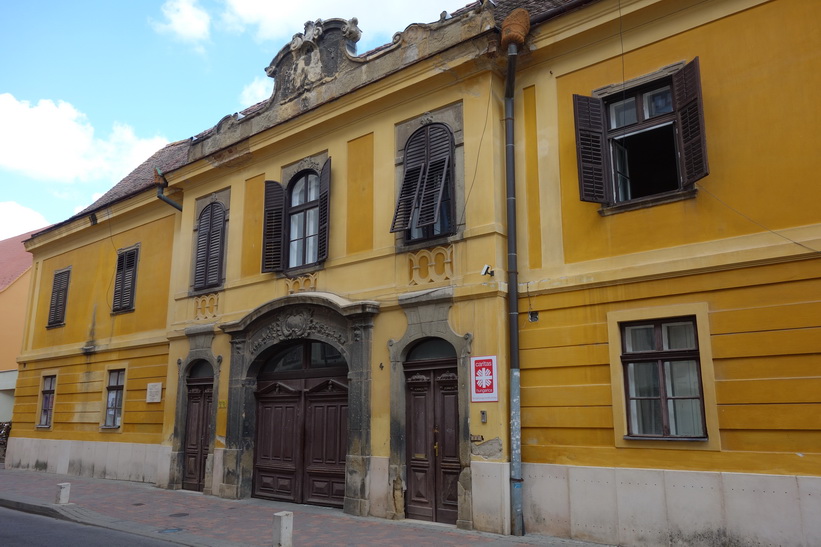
(514, 29)
(161, 186)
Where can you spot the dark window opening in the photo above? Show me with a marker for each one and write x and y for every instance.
(645, 163)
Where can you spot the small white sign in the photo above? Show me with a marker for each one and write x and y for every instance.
(154, 393)
(484, 382)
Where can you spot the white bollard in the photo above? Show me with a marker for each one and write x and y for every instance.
(283, 529)
(63, 492)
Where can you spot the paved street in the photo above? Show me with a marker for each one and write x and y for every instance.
(189, 518)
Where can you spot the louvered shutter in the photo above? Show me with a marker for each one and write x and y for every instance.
(201, 259)
(591, 148)
(690, 116)
(59, 294)
(415, 160)
(324, 211)
(119, 275)
(216, 240)
(437, 174)
(125, 280)
(273, 228)
(129, 279)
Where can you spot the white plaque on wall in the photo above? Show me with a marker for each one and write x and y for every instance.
(154, 393)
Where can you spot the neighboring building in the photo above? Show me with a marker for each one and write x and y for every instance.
(15, 276)
(320, 320)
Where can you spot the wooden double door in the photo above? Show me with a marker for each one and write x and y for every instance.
(432, 441)
(197, 428)
(301, 440)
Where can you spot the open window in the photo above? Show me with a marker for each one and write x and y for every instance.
(296, 221)
(643, 142)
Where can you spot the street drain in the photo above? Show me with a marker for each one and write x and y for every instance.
(170, 530)
(178, 515)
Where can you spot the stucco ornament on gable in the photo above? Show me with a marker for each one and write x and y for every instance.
(312, 57)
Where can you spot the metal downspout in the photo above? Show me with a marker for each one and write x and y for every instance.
(161, 186)
(514, 36)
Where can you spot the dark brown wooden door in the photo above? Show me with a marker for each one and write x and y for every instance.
(301, 441)
(198, 421)
(432, 444)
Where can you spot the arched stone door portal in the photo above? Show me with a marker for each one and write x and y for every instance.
(344, 326)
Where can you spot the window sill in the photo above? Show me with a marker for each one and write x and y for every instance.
(120, 312)
(43, 427)
(666, 439)
(56, 325)
(649, 201)
(297, 271)
(207, 290)
(109, 428)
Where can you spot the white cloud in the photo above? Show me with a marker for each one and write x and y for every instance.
(258, 90)
(279, 21)
(185, 20)
(16, 219)
(55, 142)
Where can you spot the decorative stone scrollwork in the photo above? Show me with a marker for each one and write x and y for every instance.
(431, 265)
(351, 30)
(206, 306)
(303, 283)
(299, 323)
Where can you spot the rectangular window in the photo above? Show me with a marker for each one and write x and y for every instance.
(59, 295)
(643, 141)
(125, 280)
(114, 398)
(662, 379)
(47, 401)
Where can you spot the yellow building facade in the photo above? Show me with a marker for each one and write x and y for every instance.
(308, 302)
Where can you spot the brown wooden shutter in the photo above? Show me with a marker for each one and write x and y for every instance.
(690, 115)
(437, 174)
(59, 295)
(591, 149)
(273, 227)
(216, 240)
(125, 280)
(210, 243)
(415, 161)
(324, 211)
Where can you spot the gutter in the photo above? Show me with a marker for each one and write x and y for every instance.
(163, 185)
(514, 30)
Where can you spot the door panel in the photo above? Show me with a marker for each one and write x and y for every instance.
(302, 441)
(197, 426)
(433, 467)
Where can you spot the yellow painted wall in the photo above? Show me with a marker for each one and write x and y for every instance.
(743, 247)
(80, 396)
(91, 287)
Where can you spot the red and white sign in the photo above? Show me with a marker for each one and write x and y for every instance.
(484, 382)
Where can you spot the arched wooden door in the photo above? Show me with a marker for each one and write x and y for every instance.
(302, 425)
(200, 386)
(432, 414)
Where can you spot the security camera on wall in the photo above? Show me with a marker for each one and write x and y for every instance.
(486, 270)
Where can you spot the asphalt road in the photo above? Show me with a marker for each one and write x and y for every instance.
(18, 529)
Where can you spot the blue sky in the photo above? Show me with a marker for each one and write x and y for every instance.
(89, 89)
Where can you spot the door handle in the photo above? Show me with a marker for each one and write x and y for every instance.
(436, 449)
